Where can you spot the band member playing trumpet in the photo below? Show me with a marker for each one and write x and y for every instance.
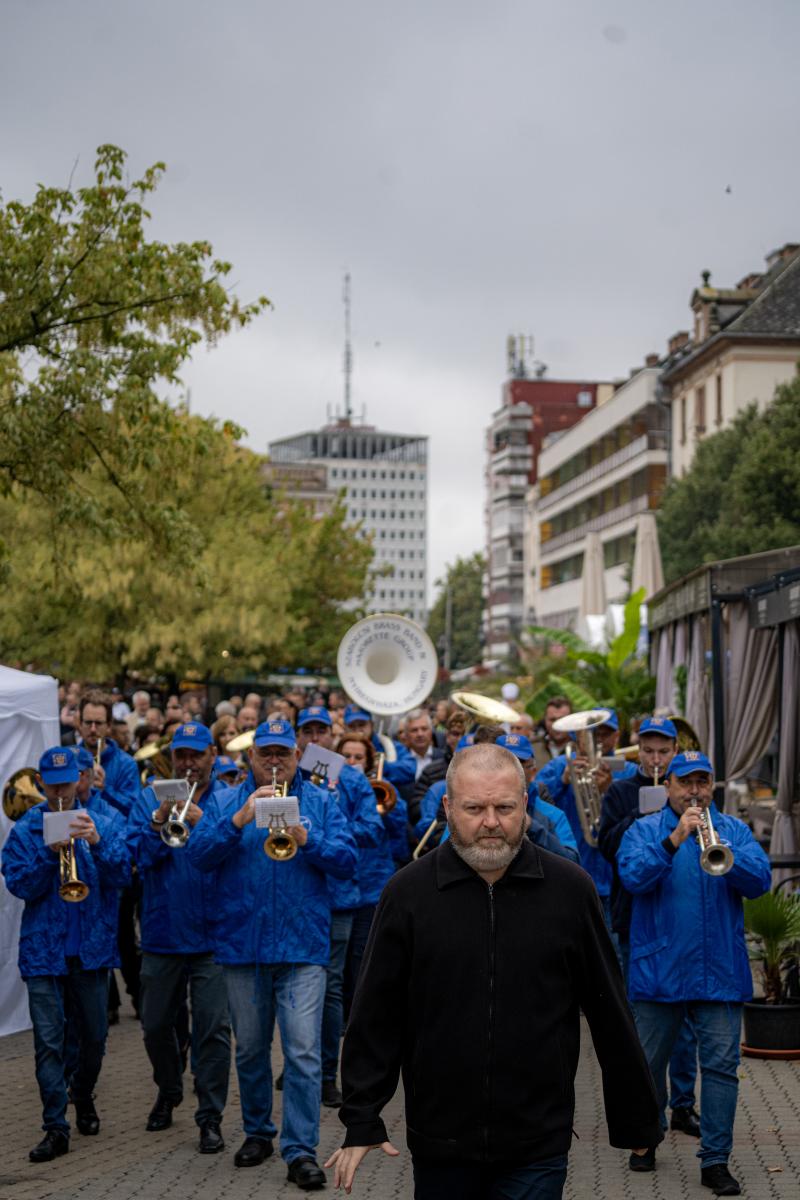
(356, 800)
(116, 775)
(688, 952)
(66, 949)
(177, 943)
(272, 936)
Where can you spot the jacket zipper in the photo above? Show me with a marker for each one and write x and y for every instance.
(490, 1045)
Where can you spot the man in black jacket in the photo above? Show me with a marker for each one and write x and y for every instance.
(479, 959)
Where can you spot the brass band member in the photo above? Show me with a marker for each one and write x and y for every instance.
(66, 948)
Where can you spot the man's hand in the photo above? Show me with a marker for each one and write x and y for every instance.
(299, 833)
(687, 826)
(193, 815)
(83, 828)
(603, 778)
(247, 812)
(98, 776)
(162, 815)
(347, 1159)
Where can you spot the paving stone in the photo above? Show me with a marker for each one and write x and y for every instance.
(126, 1163)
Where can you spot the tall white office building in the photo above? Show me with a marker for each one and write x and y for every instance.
(383, 477)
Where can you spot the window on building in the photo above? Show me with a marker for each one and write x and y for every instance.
(584, 399)
(718, 400)
(700, 410)
(683, 420)
(334, 473)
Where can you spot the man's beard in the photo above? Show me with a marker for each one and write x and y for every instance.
(485, 854)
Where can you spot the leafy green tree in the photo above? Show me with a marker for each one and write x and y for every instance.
(254, 582)
(96, 322)
(464, 579)
(741, 494)
(614, 678)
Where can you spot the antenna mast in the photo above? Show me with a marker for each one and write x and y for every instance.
(348, 352)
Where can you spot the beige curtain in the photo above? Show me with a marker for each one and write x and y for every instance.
(784, 831)
(697, 690)
(751, 706)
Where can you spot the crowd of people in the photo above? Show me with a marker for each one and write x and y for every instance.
(214, 935)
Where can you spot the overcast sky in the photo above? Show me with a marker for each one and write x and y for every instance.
(559, 169)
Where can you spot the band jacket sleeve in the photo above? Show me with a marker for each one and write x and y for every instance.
(403, 770)
(359, 805)
(550, 781)
(111, 854)
(145, 843)
(630, 1100)
(431, 807)
(330, 846)
(216, 836)
(376, 1032)
(751, 874)
(642, 860)
(29, 866)
(395, 823)
(121, 788)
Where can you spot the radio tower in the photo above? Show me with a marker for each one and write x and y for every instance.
(348, 352)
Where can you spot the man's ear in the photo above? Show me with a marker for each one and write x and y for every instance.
(446, 804)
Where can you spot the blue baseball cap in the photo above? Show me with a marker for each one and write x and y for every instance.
(467, 740)
(661, 725)
(689, 762)
(83, 758)
(192, 736)
(225, 765)
(275, 733)
(518, 744)
(59, 765)
(315, 713)
(612, 722)
(354, 713)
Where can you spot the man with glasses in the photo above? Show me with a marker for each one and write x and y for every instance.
(688, 953)
(178, 908)
(116, 775)
(272, 937)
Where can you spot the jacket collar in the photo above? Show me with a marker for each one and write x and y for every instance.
(451, 868)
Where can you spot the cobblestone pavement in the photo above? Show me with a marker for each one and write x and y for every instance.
(124, 1161)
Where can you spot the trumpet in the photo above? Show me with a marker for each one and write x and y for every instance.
(385, 794)
(588, 800)
(715, 859)
(280, 846)
(176, 829)
(71, 888)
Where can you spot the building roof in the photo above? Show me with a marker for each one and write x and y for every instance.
(768, 312)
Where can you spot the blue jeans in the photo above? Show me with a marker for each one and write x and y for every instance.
(294, 993)
(333, 1009)
(162, 994)
(718, 1031)
(493, 1181)
(84, 994)
(683, 1062)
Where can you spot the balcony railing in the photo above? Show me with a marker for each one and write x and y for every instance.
(648, 441)
(622, 513)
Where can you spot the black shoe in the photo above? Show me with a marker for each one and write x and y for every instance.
(720, 1180)
(685, 1120)
(252, 1152)
(113, 1016)
(86, 1117)
(643, 1162)
(306, 1174)
(279, 1083)
(331, 1096)
(211, 1141)
(161, 1114)
(53, 1144)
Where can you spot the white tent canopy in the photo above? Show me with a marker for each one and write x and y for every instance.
(28, 726)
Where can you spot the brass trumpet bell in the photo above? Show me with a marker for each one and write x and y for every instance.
(385, 793)
(280, 846)
(485, 709)
(72, 889)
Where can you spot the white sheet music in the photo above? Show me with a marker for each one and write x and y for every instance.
(176, 791)
(315, 756)
(274, 811)
(56, 826)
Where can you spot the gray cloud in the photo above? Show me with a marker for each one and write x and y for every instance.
(559, 169)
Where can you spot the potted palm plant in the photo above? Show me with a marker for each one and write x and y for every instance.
(772, 1022)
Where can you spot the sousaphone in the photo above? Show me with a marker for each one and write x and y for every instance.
(387, 664)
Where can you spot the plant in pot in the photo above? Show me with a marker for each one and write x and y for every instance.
(772, 1023)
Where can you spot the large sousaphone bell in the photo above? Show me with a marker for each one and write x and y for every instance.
(387, 664)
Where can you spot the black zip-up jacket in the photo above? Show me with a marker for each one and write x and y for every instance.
(473, 993)
(620, 809)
